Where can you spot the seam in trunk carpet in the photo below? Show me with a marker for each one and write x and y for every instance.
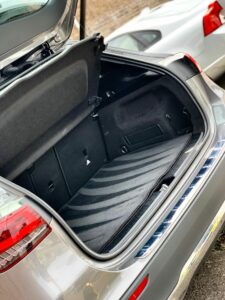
(109, 199)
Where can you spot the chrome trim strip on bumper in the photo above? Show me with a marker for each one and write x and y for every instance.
(176, 209)
(198, 254)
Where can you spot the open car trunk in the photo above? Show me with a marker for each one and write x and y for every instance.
(99, 141)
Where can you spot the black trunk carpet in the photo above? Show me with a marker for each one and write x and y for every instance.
(109, 199)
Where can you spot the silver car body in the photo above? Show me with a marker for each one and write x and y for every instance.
(58, 268)
(181, 25)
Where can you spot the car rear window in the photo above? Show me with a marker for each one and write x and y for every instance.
(14, 9)
(136, 41)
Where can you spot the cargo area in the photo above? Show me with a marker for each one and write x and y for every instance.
(98, 140)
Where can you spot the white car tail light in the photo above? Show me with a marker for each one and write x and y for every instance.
(212, 19)
(21, 229)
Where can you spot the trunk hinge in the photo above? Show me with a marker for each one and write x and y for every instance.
(100, 43)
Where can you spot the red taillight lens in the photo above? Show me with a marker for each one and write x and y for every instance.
(20, 232)
(139, 289)
(212, 20)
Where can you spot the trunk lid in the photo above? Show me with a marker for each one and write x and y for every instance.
(27, 24)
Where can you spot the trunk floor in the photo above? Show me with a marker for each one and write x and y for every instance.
(110, 198)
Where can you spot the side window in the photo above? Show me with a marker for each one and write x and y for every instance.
(125, 41)
(147, 37)
(14, 9)
(136, 41)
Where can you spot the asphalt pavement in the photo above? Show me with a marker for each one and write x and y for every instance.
(209, 281)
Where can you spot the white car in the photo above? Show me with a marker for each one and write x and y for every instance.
(195, 27)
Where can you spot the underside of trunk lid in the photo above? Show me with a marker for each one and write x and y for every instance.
(26, 25)
(99, 140)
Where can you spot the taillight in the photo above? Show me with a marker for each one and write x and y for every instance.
(212, 20)
(139, 290)
(21, 230)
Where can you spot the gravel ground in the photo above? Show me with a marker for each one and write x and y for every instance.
(209, 281)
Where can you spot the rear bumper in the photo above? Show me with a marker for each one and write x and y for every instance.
(173, 266)
(198, 254)
(57, 269)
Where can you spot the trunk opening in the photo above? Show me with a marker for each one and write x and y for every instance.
(119, 143)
